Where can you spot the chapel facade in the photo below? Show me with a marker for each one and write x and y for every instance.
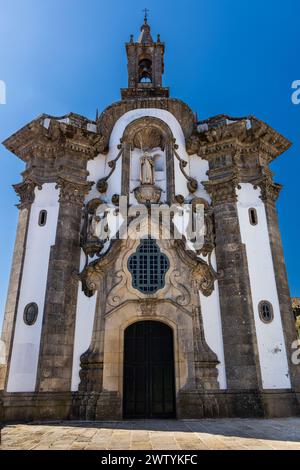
(118, 327)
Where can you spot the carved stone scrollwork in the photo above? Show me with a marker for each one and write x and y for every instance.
(203, 274)
(25, 191)
(209, 236)
(192, 183)
(147, 194)
(73, 192)
(203, 279)
(91, 274)
(102, 184)
(179, 198)
(115, 199)
(269, 190)
(91, 244)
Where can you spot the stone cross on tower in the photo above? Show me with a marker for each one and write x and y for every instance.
(146, 11)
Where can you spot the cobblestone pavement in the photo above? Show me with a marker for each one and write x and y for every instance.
(238, 434)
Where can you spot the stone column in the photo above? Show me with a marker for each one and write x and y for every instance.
(25, 191)
(240, 346)
(269, 194)
(56, 350)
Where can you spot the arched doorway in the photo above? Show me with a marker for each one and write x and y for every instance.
(149, 384)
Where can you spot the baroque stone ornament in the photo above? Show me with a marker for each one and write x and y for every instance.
(148, 194)
(179, 198)
(192, 183)
(90, 243)
(102, 184)
(73, 192)
(223, 135)
(222, 190)
(25, 191)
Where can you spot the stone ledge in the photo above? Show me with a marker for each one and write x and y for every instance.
(190, 405)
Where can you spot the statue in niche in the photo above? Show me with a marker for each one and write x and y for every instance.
(147, 168)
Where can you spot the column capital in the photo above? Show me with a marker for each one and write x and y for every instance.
(269, 189)
(25, 191)
(222, 190)
(73, 192)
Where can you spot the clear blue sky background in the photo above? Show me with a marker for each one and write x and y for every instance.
(223, 56)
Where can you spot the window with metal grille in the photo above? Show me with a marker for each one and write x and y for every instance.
(266, 313)
(148, 267)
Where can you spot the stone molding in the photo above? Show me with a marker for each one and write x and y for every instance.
(222, 135)
(178, 108)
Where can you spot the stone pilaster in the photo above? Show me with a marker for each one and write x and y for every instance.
(240, 348)
(269, 194)
(56, 350)
(25, 191)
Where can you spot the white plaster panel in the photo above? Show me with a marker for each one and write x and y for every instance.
(85, 312)
(198, 170)
(270, 338)
(211, 316)
(26, 344)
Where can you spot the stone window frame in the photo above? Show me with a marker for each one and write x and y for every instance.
(42, 220)
(149, 257)
(253, 217)
(27, 307)
(261, 305)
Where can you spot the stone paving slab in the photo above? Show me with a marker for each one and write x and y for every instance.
(208, 434)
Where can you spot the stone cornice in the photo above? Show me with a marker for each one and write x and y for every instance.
(178, 108)
(47, 137)
(221, 135)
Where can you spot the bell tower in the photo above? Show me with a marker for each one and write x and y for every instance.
(145, 66)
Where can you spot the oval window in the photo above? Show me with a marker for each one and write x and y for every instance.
(266, 313)
(253, 216)
(42, 218)
(30, 313)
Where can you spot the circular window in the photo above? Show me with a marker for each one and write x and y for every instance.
(30, 313)
(266, 313)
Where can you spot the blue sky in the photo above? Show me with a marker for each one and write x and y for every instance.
(222, 56)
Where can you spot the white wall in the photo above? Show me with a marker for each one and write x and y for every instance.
(211, 316)
(85, 313)
(25, 352)
(270, 339)
(198, 170)
(97, 169)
